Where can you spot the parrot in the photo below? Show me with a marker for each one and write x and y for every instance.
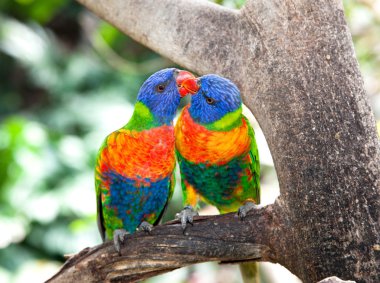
(134, 177)
(217, 153)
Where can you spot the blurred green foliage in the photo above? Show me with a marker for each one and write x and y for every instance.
(66, 81)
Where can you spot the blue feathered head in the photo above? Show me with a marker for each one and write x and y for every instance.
(160, 93)
(216, 97)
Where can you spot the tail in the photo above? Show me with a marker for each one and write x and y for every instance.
(249, 272)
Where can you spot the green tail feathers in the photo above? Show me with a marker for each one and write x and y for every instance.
(249, 272)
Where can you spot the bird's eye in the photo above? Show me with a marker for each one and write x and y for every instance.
(160, 88)
(210, 100)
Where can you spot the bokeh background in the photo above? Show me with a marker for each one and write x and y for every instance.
(67, 79)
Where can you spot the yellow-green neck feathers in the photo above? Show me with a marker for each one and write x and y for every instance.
(142, 118)
(227, 122)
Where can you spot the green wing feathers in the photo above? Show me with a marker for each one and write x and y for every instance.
(255, 165)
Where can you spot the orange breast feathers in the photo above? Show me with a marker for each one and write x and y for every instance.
(139, 155)
(200, 145)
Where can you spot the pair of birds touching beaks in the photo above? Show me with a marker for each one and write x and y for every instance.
(214, 144)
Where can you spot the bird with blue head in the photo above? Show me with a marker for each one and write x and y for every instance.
(216, 149)
(217, 154)
(134, 177)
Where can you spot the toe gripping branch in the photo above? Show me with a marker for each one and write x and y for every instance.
(118, 239)
(119, 235)
(186, 216)
(245, 208)
(145, 226)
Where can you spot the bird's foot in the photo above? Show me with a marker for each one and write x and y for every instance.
(245, 208)
(145, 226)
(118, 239)
(186, 216)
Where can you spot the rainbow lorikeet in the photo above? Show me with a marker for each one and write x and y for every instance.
(217, 151)
(134, 170)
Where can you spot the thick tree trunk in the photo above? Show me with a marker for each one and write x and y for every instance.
(295, 64)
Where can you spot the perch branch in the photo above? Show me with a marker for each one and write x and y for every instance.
(217, 238)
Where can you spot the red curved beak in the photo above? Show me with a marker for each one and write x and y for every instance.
(187, 83)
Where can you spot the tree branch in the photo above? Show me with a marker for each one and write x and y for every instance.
(217, 238)
(179, 30)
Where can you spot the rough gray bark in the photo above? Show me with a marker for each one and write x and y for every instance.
(295, 64)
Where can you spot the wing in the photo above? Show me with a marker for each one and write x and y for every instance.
(98, 190)
(255, 164)
(189, 195)
(100, 219)
(171, 191)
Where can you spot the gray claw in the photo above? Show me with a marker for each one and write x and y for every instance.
(243, 210)
(186, 216)
(118, 239)
(145, 226)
